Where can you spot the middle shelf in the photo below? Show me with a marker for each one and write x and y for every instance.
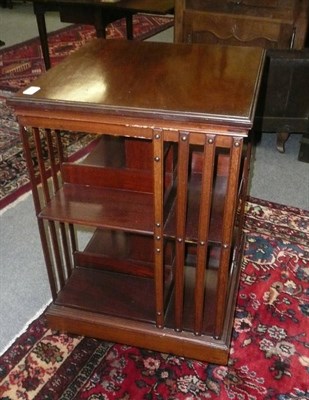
(101, 207)
(131, 211)
(113, 188)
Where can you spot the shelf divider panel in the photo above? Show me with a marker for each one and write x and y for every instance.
(158, 170)
(227, 233)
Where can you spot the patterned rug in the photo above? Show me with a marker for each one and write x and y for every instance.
(269, 356)
(22, 63)
(14, 179)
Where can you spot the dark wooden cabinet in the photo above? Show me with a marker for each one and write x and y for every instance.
(162, 188)
(280, 24)
(283, 105)
(281, 27)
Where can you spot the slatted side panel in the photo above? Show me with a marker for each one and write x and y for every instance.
(200, 303)
(28, 151)
(44, 156)
(227, 234)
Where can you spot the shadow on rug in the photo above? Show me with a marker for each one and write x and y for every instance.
(269, 356)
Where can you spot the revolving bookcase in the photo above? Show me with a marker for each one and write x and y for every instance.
(161, 190)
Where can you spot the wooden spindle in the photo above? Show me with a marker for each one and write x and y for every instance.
(203, 230)
(227, 234)
(181, 212)
(158, 169)
(52, 158)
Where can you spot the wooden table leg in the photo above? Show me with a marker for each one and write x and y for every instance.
(282, 137)
(40, 19)
(303, 154)
(104, 17)
(129, 24)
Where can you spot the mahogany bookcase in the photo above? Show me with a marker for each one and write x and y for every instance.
(163, 189)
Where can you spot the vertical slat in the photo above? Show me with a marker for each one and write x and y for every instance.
(37, 205)
(179, 21)
(31, 171)
(60, 151)
(203, 230)
(54, 165)
(239, 243)
(73, 245)
(158, 167)
(227, 234)
(59, 147)
(181, 211)
(51, 224)
(52, 158)
(73, 237)
(67, 257)
(57, 253)
(41, 164)
(243, 194)
(66, 249)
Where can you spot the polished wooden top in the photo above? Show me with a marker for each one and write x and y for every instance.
(188, 82)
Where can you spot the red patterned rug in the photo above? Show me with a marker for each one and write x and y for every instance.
(22, 63)
(269, 356)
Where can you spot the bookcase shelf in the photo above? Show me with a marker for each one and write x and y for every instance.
(109, 208)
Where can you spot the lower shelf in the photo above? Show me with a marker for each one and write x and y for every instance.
(121, 308)
(110, 293)
(139, 334)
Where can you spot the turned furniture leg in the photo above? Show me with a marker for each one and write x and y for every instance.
(129, 24)
(282, 137)
(103, 18)
(40, 19)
